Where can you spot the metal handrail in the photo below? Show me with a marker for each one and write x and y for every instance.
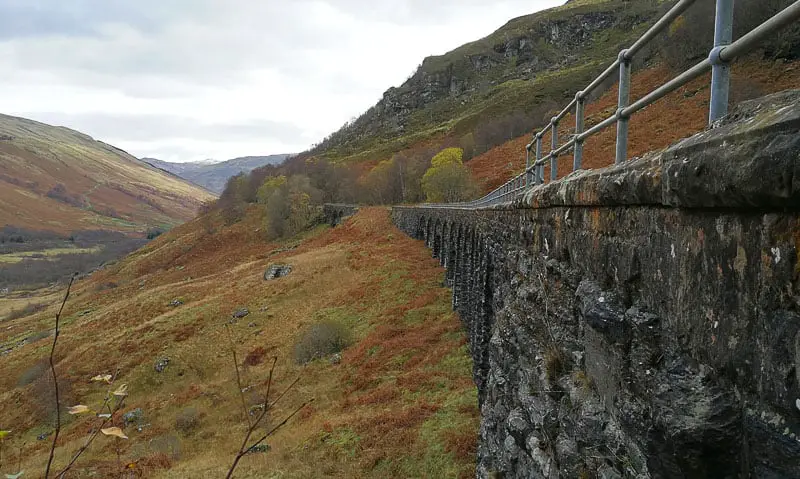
(722, 55)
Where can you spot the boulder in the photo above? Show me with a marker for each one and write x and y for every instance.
(275, 271)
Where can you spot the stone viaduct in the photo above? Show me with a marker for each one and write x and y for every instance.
(641, 320)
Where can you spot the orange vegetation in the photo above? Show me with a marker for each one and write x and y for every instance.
(102, 187)
(677, 116)
(400, 403)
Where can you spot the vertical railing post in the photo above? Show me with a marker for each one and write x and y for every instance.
(721, 71)
(527, 165)
(539, 169)
(623, 102)
(580, 103)
(553, 147)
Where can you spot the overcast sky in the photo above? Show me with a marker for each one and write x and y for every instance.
(185, 80)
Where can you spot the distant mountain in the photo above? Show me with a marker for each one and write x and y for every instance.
(213, 176)
(57, 179)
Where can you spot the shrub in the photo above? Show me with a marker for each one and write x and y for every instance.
(43, 393)
(153, 233)
(187, 421)
(448, 180)
(167, 444)
(106, 286)
(27, 310)
(33, 373)
(59, 193)
(320, 340)
(255, 357)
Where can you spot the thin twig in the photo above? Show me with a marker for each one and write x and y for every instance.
(284, 392)
(238, 376)
(55, 381)
(267, 406)
(91, 438)
(269, 381)
(271, 431)
(252, 426)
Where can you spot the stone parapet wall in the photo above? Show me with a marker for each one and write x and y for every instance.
(642, 320)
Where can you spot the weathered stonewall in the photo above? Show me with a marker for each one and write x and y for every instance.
(640, 320)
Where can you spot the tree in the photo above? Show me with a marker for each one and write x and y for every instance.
(448, 180)
(291, 204)
(384, 183)
(231, 202)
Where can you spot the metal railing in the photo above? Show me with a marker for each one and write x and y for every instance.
(724, 52)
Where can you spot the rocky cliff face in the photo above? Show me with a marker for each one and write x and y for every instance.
(521, 50)
(640, 321)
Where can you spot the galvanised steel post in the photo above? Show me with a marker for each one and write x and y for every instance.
(527, 164)
(539, 169)
(553, 147)
(580, 103)
(721, 70)
(624, 100)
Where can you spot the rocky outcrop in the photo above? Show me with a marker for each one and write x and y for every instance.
(275, 271)
(523, 49)
(639, 321)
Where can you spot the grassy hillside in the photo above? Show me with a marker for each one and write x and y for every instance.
(525, 66)
(677, 116)
(54, 178)
(400, 403)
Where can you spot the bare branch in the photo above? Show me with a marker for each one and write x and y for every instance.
(55, 380)
(244, 448)
(238, 376)
(284, 392)
(91, 438)
(274, 429)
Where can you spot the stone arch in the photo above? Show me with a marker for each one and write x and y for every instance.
(437, 239)
(429, 232)
(420, 232)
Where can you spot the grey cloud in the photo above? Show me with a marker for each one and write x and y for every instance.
(31, 18)
(113, 42)
(210, 42)
(202, 50)
(162, 127)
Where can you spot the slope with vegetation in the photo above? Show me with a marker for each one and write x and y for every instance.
(487, 97)
(70, 203)
(397, 402)
(213, 176)
(513, 76)
(57, 179)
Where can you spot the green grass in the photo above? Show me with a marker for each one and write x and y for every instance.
(47, 253)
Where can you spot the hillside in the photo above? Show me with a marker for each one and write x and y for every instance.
(528, 66)
(677, 116)
(61, 180)
(399, 403)
(213, 176)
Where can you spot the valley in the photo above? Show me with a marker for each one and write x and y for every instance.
(199, 288)
(399, 401)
